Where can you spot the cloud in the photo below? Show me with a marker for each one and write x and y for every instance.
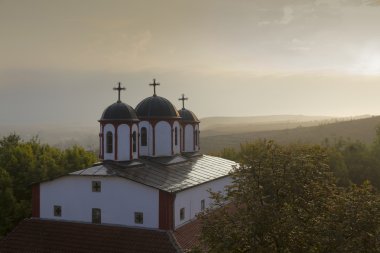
(287, 17)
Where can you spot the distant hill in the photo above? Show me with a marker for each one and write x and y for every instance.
(220, 132)
(57, 135)
(214, 126)
(355, 129)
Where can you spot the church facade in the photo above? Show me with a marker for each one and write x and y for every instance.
(150, 175)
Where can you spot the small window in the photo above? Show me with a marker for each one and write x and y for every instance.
(96, 215)
(139, 218)
(96, 186)
(134, 142)
(176, 136)
(109, 142)
(182, 213)
(202, 205)
(144, 137)
(57, 211)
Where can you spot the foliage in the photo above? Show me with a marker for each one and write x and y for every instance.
(25, 162)
(284, 199)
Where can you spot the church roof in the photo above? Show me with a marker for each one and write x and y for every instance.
(43, 236)
(187, 116)
(156, 107)
(170, 174)
(119, 111)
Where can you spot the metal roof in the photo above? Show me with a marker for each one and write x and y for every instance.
(156, 107)
(119, 111)
(170, 174)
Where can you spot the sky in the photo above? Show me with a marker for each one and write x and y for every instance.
(59, 60)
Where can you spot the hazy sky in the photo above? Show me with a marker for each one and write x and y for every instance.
(59, 60)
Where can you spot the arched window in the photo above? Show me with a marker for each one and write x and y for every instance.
(144, 136)
(134, 141)
(109, 142)
(176, 136)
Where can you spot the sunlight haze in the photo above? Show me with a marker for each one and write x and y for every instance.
(59, 60)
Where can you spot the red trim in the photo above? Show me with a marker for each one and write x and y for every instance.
(166, 210)
(36, 201)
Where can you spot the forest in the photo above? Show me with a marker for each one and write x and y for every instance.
(23, 163)
(304, 197)
(297, 198)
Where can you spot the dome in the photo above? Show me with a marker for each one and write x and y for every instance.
(119, 111)
(188, 115)
(156, 107)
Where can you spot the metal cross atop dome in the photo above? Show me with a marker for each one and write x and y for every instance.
(154, 84)
(119, 89)
(183, 100)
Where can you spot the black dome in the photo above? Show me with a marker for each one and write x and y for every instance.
(156, 107)
(119, 111)
(188, 115)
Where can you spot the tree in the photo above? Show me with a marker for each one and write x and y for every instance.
(7, 202)
(284, 199)
(25, 162)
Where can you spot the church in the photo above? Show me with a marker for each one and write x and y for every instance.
(151, 182)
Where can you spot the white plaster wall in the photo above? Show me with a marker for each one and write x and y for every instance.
(147, 150)
(190, 199)
(189, 138)
(118, 200)
(163, 133)
(136, 129)
(109, 156)
(123, 144)
(197, 143)
(177, 148)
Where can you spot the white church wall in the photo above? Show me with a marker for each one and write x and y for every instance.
(118, 200)
(135, 129)
(146, 150)
(191, 198)
(176, 148)
(189, 138)
(196, 128)
(163, 132)
(123, 153)
(109, 128)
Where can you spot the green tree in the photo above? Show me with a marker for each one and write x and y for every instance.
(7, 203)
(284, 199)
(27, 162)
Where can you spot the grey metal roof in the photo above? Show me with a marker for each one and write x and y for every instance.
(170, 174)
(188, 115)
(119, 111)
(156, 107)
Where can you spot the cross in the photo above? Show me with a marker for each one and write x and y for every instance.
(119, 88)
(154, 84)
(183, 100)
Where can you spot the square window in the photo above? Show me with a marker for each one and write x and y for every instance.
(202, 205)
(96, 186)
(96, 215)
(139, 218)
(182, 213)
(57, 211)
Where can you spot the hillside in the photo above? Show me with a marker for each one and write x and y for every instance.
(214, 126)
(360, 129)
(220, 132)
